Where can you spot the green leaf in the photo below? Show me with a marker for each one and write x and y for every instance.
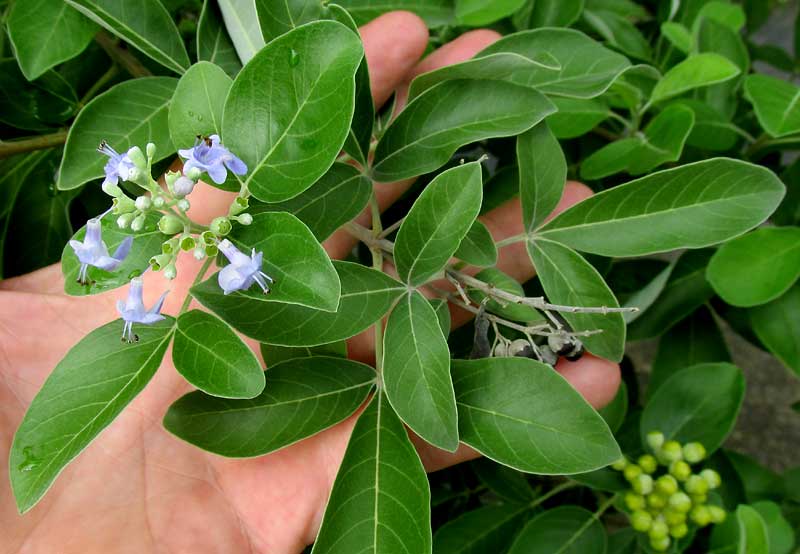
(241, 21)
(757, 267)
(300, 267)
(780, 532)
(562, 530)
(523, 414)
(576, 117)
(730, 15)
(214, 359)
(146, 244)
(145, 24)
(603, 479)
(685, 291)
(678, 35)
(416, 372)
(500, 67)
(614, 412)
(476, 13)
(442, 309)
(196, 107)
(88, 388)
(423, 137)
(501, 281)
(366, 296)
(274, 110)
(437, 222)
(45, 33)
(302, 397)
(131, 113)
(213, 42)
(549, 13)
(542, 174)
(277, 18)
(477, 247)
(691, 206)
(508, 484)
(698, 70)
(777, 326)
(587, 67)
(776, 103)
(380, 500)
(711, 131)
(36, 106)
(619, 32)
(643, 298)
(435, 12)
(699, 403)
(276, 354)
(489, 529)
(753, 534)
(695, 340)
(570, 280)
(336, 198)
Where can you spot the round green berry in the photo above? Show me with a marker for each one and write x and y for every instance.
(711, 477)
(648, 463)
(658, 529)
(678, 531)
(701, 515)
(620, 464)
(656, 500)
(680, 470)
(696, 485)
(631, 472)
(674, 517)
(717, 514)
(694, 452)
(641, 521)
(680, 502)
(643, 484)
(671, 451)
(660, 545)
(667, 484)
(169, 225)
(698, 499)
(634, 501)
(655, 440)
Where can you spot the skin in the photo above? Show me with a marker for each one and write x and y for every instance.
(137, 488)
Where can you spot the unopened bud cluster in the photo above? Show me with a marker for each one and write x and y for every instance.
(666, 496)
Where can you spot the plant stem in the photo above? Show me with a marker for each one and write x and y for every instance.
(198, 277)
(552, 492)
(511, 240)
(596, 516)
(120, 55)
(377, 263)
(41, 142)
(367, 237)
(98, 85)
(391, 228)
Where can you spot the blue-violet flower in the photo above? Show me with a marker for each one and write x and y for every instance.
(212, 157)
(93, 251)
(118, 166)
(133, 310)
(243, 270)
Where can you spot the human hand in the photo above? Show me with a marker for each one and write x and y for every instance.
(137, 488)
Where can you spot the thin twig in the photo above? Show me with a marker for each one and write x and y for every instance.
(120, 55)
(104, 79)
(41, 142)
(391, 228)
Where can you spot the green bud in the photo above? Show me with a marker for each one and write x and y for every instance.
(188, 243)
(667, 484)
(170, 272)
(674, 517)
(660, 545)
(648, 463)
(680, 470)
(717, 514)
(111, 189)
(698, 499)
(634, 501)
(208, 238)
(712, 478)
(656, 500)
(701, 515)
(221, 226)
(678, 531)
(238, 205)
(244, 219)
(171, 177)
(680, 502)
(159, 201)
(170, 246)
(641, 521)
(620, 464)
(150, 149)
(157, 262)
(655, 440)
(671, 451)
(194, 173)
(199, 252)
(631, 472)
(136, 156)
(643, 484)
(143, 203)
(694, 452)
(169, 225)
(123, 205)
(134, 174)
(658, 529)
(212, 250)
(696, 485)
(124, 220)
(138, 223)
(183, 204)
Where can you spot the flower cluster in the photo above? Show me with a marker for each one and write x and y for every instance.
(168, 204)
(666, 496)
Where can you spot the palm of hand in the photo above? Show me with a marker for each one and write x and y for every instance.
(137, 488)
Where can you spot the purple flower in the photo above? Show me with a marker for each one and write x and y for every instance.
(133, 310)
(210, 156)
(118, 166)
(242, 271)
(93, 251)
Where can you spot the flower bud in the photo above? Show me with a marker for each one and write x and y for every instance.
(655, 440)
(111, 189)
(671, 451)
(188, 243)
(194, 173)
(648, 463)
(694, 452)
(244, 219)
(717, 514)
(124, 220)
(170, 178)
(680, 502)
(143, 203)
(656, 500)
(680, 470)
(169, 225)
(643, 484)
(631, 472)
(157, 262)
(678, 531)
(696, 485)
(170, 272)
(660, 545)
(183, 204)
(620, 464)
(183, 186)
(238, 205)
(674, 517)
(667, 484)
(634, 501)
(138, 223)
(150, 149)
(641, 521)
(170, 246)
(212, 250)
(220, 226)
(658, 529)
(158, 201)
(712, 478)
(701, 515)
(136, 156)
(122, 205)
(698, 499)
(208, 238)
(133, 174)
(199, 252)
